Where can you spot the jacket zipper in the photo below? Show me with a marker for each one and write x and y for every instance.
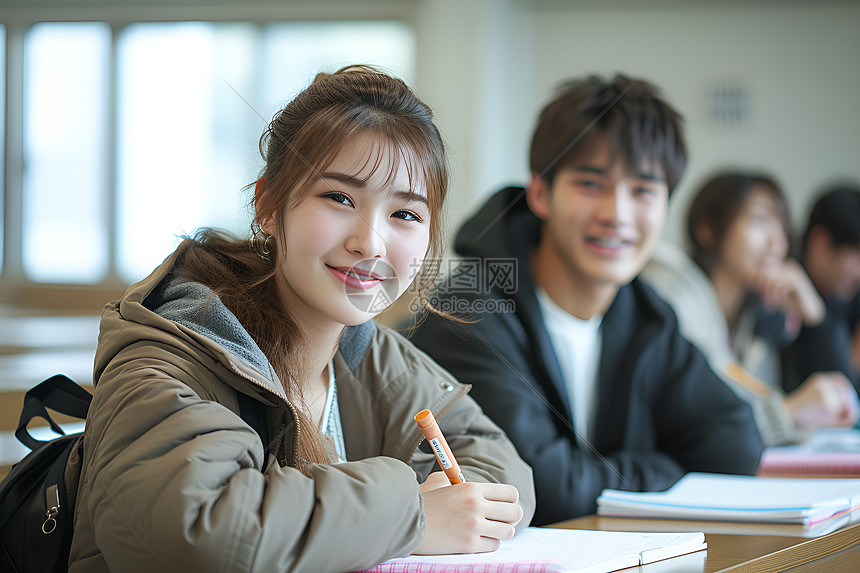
(294, 453)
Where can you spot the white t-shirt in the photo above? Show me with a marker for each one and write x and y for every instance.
(577, 346)
(330, 424)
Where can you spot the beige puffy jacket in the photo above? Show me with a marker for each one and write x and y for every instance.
(172, 479)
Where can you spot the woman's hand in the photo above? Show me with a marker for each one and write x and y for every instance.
(787, 287)
(468, 517)
(434, 481)
(824, 399)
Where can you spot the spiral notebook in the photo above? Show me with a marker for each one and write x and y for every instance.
(539, 550)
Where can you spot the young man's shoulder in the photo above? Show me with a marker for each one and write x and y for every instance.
(638, 303)
(496, 311)
(640, 323)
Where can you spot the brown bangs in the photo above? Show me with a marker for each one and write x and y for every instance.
(321, 139)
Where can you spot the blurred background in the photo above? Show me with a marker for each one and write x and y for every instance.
(131, 122)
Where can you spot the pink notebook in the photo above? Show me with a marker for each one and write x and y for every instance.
(539, 550)
(790, 463)
(463, 568)
(831, 451)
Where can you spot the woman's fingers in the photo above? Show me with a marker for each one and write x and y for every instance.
(788, 288)
(498, 501)
(824, 399)
(469, 517)
(499, 492)
(507, 512)
(498, 530)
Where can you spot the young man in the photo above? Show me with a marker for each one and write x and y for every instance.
(585, 370)
(831, 255)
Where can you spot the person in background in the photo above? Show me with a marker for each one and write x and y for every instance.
(173, 477)
(831, 254)
(748, 305)
(580, 363)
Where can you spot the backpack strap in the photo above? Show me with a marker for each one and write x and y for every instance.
(254, 414)
(60, 393)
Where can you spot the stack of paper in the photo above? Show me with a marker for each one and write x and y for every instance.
(538, 550)
(819, 505)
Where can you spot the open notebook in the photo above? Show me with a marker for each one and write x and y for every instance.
(818, 505)
(539, 550)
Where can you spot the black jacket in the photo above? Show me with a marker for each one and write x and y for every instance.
(822, 348)
(661, 411)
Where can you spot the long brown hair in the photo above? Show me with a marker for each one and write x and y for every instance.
(300, 142)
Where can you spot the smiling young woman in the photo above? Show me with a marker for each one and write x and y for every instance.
(347, 207)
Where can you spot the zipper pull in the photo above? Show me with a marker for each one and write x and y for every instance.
(52, 502)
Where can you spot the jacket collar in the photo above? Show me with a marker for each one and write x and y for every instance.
(197, 307)
(216, 331)
(170, 302)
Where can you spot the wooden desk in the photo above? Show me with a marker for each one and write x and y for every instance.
(838, 552)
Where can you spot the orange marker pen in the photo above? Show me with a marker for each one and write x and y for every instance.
(434, 436)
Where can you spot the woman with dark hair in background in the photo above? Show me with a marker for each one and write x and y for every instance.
(745, 301)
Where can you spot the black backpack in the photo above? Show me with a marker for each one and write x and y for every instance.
(35, 507)
(35, 517)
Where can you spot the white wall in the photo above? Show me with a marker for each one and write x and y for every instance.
(475, 69)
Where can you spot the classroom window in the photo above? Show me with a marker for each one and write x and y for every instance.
(2, 143)
(136, 135)
(293, 53)
(193, 101)
(184, 144)
(65, 238)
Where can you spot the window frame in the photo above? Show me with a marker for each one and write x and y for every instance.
(18, 290)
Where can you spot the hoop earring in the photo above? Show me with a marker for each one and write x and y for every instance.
(260, 241)
(267, 249)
